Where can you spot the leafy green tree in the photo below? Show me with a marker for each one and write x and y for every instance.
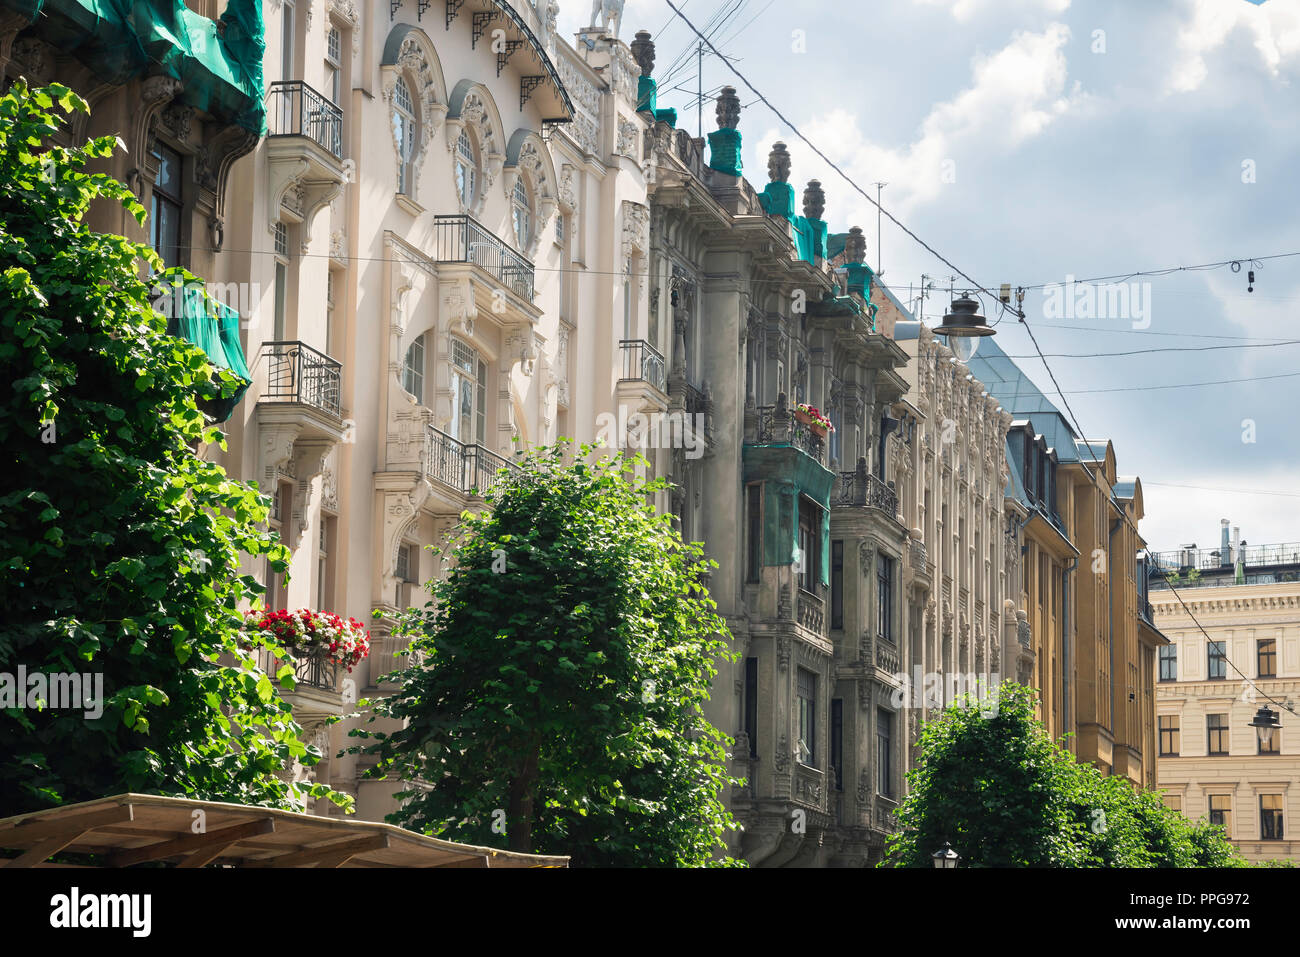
(993, 784)
(120, 545)
(566, 658)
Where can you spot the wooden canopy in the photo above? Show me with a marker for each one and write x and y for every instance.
(136, 828)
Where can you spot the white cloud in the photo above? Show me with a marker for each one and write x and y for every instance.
(964, 10)
(1014, 95)
(1275, 26)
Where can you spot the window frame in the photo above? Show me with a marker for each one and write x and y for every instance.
(1276, 814)
(1173, 733)
(884, 597)
(1221, 817)
(1171, 659)
(1216, 651)
(807, 740)
(467, 170)
(884, 753)
(167, 193)
(413, 368)
(1270, 654)
(407, 143)
(1217, 734)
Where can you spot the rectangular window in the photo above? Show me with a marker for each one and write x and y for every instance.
(884, 597)
(1169, 735)
(165, 218)
(1169, 662)
(413, 369)
(1216, 731)
(807, 691)
(837, 584)
(1270, 817)
(1173, 801)
(754, 525)
(480, 411)
(324, 565)
(286, 41)
(884, 737)
(1218, 660)
(1266, 657)
(277, 597)
(809, 538)
(837, 741)
(1221, 811)
(751, 704)
(334, 64)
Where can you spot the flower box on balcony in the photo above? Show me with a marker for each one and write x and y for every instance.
(812, 417)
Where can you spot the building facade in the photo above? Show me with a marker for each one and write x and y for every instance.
(1233, 619)
(1092, 643)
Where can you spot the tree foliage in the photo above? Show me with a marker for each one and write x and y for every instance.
(120, 546)
(566, 658)
(994, 785)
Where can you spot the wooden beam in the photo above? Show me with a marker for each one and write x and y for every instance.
(222, 839)
(478, 860)
(339, 851)
(38, 829)
(51, 845)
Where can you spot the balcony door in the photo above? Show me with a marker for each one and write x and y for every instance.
(468, 395)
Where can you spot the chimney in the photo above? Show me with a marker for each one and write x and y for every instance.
(1225, 547)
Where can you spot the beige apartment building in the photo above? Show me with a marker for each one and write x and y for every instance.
(1211, 683)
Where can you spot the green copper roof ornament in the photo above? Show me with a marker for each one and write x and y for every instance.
(724, 143)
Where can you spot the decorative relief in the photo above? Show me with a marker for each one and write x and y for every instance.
(783, 652)
(627, 139)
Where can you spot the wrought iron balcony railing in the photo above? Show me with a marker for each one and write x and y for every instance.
(642, 361)
(463, 239)
(312, 666)
(864, 488)
(465, 467)
(776, 425)
(294, 109)
(298, 373)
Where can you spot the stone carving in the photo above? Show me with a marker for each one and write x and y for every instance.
(728, 109)
(783, 652)
(177, 118)
(606, 16)
(643, 51)
(866, 554)
(814, 200)
(855, 246)
(778, 163)
(781, 760)
(636, 230)
(627, 139)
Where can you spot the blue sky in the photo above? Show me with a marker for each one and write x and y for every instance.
(1027, 147)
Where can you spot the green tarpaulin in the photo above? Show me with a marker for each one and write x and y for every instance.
(787, 474)
(211, 325)
(220, 67)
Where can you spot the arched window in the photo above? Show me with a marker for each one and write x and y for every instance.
(413, 370)
(468, 395)
(404, 133)
(522, 208)
(466, 169)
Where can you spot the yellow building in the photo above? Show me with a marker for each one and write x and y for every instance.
(1212, 682)
(1086, 642)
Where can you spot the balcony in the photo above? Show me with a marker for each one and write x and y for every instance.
(917, 557)
(297, 373)
(644, 363)
(470, 469)
(776, 425)
(865, 489)
(811, 611)
(294, 109)
(317, 690)
(463, 239)
(304, 150)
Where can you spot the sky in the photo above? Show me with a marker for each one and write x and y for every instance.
(1035, 142)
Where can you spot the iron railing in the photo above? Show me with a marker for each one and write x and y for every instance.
(1211, 559)
(463, 239)
(777, 426)
(298, 373)
(313, 667)
(295, 109)
(866, 488)
(642, 361)
(465, 467)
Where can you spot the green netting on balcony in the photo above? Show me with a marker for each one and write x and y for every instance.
(211, 325)
(647, 100)
(220, 66)
(788, 473)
